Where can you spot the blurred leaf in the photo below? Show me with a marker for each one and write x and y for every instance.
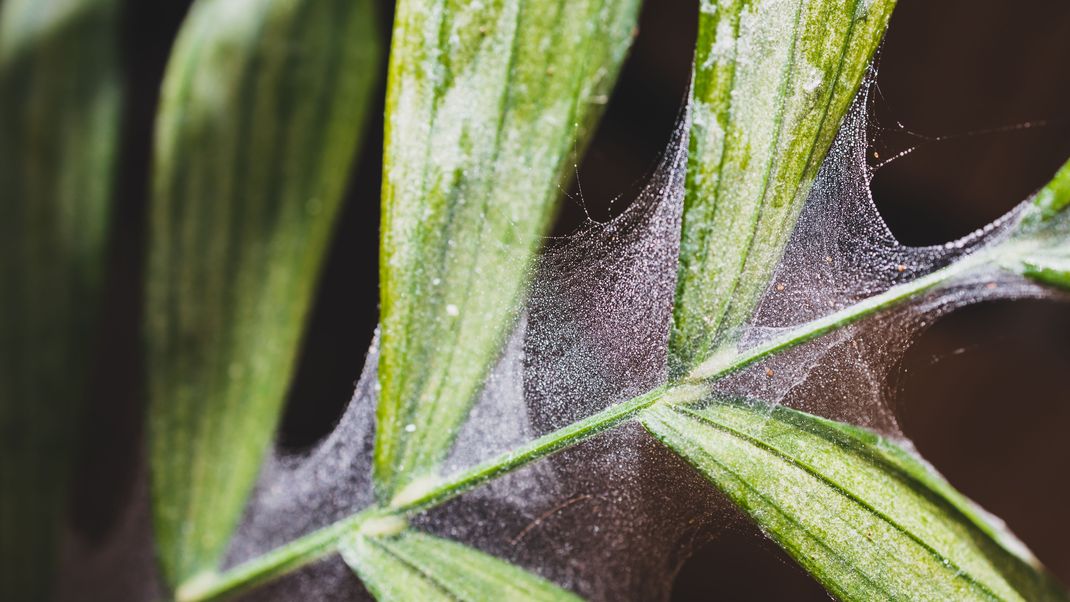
(414, 566)
(60, 94)
(485, 101)
(865, 517)
(773, 80)
(262, 109)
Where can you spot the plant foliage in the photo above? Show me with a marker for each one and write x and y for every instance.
(60, 98)
(479, 128)
(263, 106)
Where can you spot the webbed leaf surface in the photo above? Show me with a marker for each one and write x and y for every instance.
(773, 80)
(485, 104)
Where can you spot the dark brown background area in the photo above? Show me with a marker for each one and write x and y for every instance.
(983, 393)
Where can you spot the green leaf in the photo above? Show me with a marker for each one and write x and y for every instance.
(414, 566)
(262, 109)
(485, 102)
(60, 97)
(863, 515)
(773, 80)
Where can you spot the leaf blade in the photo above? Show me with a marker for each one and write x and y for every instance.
(479, 123)
(861, 514)
(60, 101)
(262, 108)
(772, 82)
(415, 566)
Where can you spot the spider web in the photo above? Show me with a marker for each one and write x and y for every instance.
(614, 517)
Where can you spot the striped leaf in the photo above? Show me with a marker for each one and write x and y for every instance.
(60, 94)
(262, 109)
(413, 566)
(864, 516)
(485, 102)
(773, 80)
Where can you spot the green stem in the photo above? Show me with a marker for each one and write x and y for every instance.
(278, 562)
(318, 544)
(529, 452)
(722, 363)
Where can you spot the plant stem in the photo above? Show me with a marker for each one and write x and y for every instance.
(724, 363)
(278, 562)
(533, 450)
(318, 544)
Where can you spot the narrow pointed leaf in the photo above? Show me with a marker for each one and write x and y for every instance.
(860, 513)
(60, 96)
(414, 566)
(773, 80)
(262, 108)
(485, 104)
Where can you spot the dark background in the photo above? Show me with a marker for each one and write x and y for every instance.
(983, 394)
